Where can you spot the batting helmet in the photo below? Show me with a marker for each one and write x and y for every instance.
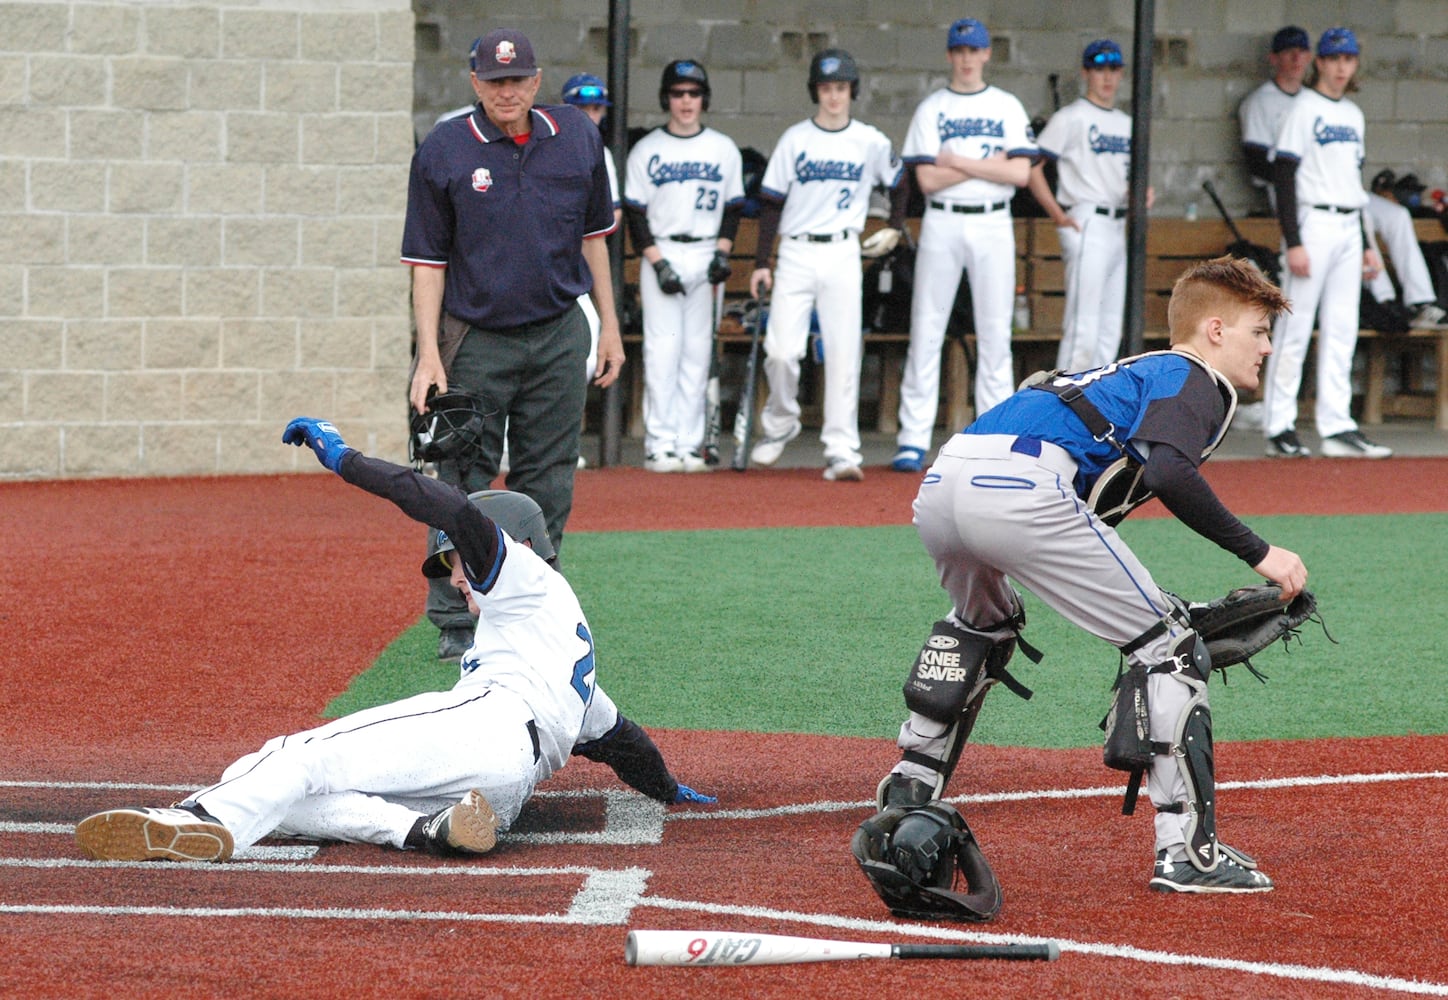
(450, 427)
(683, 71)
(515, 513)
(585, 89)
(830, 66)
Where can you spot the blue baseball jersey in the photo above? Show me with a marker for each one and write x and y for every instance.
(508, 221)
(1159, 398)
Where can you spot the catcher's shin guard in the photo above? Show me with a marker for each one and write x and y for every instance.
(1191, 747)
(948, 672)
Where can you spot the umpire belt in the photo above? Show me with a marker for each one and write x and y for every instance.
(998, 446)
(821, 237)
(1335, 208)
(980, 209)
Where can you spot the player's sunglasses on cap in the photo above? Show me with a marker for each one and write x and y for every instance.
(1103, 54)
(589, 93)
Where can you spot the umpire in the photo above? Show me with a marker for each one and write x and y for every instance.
(506, 208)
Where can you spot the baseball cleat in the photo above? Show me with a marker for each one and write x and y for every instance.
(842, 470)
(177, 834)
(1228, 876)
(692, 461)
(1352, 444)
(470, 827)
(664, 462)
(1286, 445)
(769, 449)
(908, 459)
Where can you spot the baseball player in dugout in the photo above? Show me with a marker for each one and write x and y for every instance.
(815, 196)
(442, 771)
(1030, 492)
(1261, 112)
(1090, 141)
(971, 146)
(683, 193)
(507, 208)
(1317, 176)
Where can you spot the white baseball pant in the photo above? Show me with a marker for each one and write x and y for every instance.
(823, 277)
(1095, 259)
(1394, 225)
(367, 777)
(984, 247)
(1331, 292)
(677, 343)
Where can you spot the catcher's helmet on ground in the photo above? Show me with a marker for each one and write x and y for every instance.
(916, 858)
(682, 71)
(451, 426)
(515, 513)
(585, 89)
(833, 65)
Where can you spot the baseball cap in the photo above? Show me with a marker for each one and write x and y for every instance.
(1290, 37)
(585, 89)
(968, 31)
(1102, 53)
(1337, 42)
(502, 53)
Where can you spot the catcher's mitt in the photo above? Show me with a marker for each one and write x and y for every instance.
(1248, 620)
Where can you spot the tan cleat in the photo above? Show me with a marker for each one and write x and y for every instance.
(177, 834)
(470, 827)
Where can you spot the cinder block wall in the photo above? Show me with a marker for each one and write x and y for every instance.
(200, 209)
(1209, 55)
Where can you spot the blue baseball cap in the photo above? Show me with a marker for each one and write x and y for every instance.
(1338, 42)
(968, 32)
(502, 54)
(1102, 54)
(1290, 37)
(585, 89)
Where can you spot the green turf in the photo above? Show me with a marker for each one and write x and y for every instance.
(811, 630)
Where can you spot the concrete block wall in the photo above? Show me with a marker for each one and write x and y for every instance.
(201, 208)
(1210, 54)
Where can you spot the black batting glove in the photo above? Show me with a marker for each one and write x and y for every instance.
(669, 281)
(719, 268)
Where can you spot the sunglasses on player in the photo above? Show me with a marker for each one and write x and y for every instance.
(685, 92)
(1106, 60)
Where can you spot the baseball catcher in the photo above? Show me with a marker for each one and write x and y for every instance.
(1030, 494)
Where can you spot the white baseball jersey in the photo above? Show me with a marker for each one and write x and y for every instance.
(824, 177)
(1326, 138)
(1092, 147)
(981, 124)
(1261, 113)
(683, 183)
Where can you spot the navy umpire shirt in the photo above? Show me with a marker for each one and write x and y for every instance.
(508, 221)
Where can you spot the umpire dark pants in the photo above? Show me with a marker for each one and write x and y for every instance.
(532, 377)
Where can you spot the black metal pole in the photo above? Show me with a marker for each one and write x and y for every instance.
(611, 437)
(1140, 174)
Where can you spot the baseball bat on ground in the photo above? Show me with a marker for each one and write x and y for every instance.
(733, 948)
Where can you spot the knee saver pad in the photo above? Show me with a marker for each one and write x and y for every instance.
(946, 672)
(916, 859)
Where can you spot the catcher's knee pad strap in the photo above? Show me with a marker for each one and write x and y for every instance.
(946, 674)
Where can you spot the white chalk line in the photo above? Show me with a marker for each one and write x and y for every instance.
(612, 897)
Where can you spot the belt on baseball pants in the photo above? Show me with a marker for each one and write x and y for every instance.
(1335, 208)
(821, 237)
(1048, 455)
(686, 238)
(1110, 213)
(980, 209)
